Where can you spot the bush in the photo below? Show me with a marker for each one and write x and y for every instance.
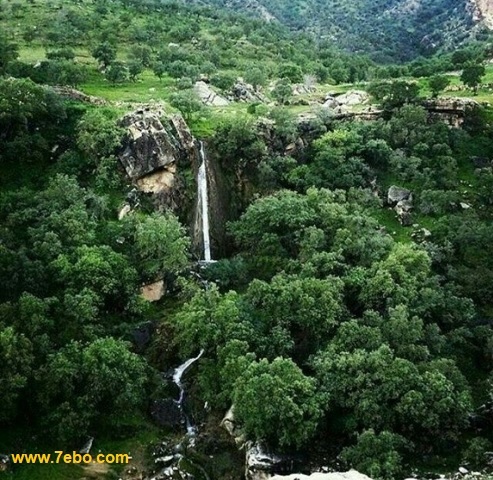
(376, 455)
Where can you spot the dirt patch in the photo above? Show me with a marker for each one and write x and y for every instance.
(95, 470)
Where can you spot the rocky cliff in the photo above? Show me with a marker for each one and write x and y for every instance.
(161, 158)
(158, 149)
(483, 11)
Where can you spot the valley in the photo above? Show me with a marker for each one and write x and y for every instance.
(247, 240)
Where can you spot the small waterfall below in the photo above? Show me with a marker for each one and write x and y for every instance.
(203, 205)
(178, 461)
(177, 376)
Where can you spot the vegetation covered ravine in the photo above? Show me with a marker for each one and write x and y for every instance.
(348, 318)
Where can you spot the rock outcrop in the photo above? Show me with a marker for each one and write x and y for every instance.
(244, 92)
(208, 96)
(483, 10)
(449, 110)
(154, 142)
(230, 425)
(402, 201)
(155, 149)
(154, 291)
(77, 95)
(350, 475)
(262, 465)
(344, 102)
(397, 194)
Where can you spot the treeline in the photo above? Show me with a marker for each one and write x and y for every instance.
(171, 39)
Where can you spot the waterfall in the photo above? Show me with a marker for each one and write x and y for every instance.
(177, 375)
(203, 203)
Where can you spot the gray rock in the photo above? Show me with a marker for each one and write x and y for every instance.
(208, 96)
(87, 446)
(350, 475)
(353, 97)
(230, 425)
(463, 470)
(152, 144)
(244, 92)
(261, 464)
(403, 209)
(397, 194)
(330, 102)
(124, 211)
(4, 462)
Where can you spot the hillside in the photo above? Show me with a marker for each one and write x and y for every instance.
(231, 249)
(385, 29)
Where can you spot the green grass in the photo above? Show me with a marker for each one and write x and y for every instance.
(21, 440)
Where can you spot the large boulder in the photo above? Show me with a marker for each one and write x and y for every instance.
(230, 425)
(244, 92)
(403, 210)
(166, 413)
(353, 97)
(262, 464)
(208, 96)
(398, 194)
(156, 149)
(154, 142)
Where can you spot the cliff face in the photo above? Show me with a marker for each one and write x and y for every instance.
(161, 158)
(158, 149)
(483, 10)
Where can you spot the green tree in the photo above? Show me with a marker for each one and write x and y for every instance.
(161, 245)
(275, 402)
(16, 362)
(141, 54)
(135, 68)
(376, 455)
(85, 388)
(438, 83)
(291, 71)
(102, 271)
(188, 103)
(105, 54)
(283, 91)
(61, 54)
(117, 72)
(98, 134)
(303, 310)
(224, 80)
(8, 52)
(256, 76)
(394, 94)
(472, 75)
(159, 69)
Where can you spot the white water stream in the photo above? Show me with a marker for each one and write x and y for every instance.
(203, 202)
(177, 376)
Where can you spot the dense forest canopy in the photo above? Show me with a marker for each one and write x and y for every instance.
(347, 320)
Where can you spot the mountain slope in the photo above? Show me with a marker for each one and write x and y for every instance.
(387, 29)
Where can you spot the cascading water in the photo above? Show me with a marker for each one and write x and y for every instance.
(178, 459)
(203, 204)
(177, 375)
